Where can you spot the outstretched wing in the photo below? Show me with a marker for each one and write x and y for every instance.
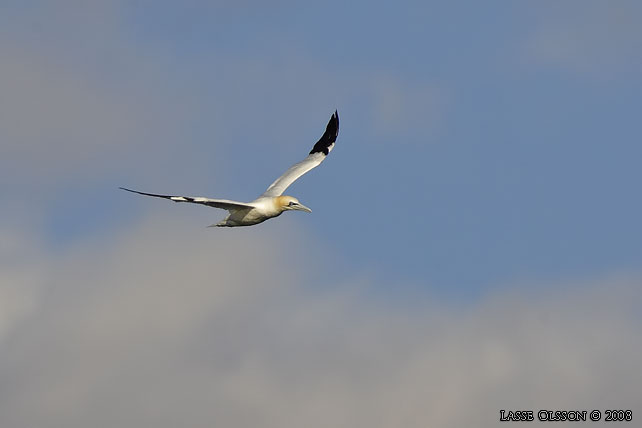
(216, 203)
(317, 155)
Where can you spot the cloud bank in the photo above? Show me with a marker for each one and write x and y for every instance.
(162, 327)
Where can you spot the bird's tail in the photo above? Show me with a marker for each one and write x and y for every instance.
(221, 223)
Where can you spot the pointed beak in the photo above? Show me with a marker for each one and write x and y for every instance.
(302, 207)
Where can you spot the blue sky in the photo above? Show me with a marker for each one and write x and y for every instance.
(505, 159)
(484, 149)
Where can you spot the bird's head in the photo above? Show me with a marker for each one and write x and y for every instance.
(289, 203)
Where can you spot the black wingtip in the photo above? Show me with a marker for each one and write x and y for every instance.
(329, 136)
(130, 190)
(336, 118)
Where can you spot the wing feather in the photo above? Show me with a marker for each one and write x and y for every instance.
(216, 203)
(317, 155)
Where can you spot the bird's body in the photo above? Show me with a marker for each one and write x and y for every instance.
(261, 209)
(272, 202)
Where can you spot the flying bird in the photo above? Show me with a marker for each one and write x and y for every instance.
(272, 203)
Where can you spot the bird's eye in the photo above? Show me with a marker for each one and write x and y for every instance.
(291, 203)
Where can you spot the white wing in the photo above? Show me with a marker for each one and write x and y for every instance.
(216, 203)
(317, 155)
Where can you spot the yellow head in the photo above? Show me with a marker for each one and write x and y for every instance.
(285, 203)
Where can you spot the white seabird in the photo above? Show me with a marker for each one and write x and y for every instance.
(271, 203)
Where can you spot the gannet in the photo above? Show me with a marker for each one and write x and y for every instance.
(272, 203)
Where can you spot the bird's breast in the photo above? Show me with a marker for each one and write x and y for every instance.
(268, 207)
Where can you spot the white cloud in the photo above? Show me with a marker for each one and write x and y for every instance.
(160, 326)
(590, 37)
(78, 99)
(19, 279)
